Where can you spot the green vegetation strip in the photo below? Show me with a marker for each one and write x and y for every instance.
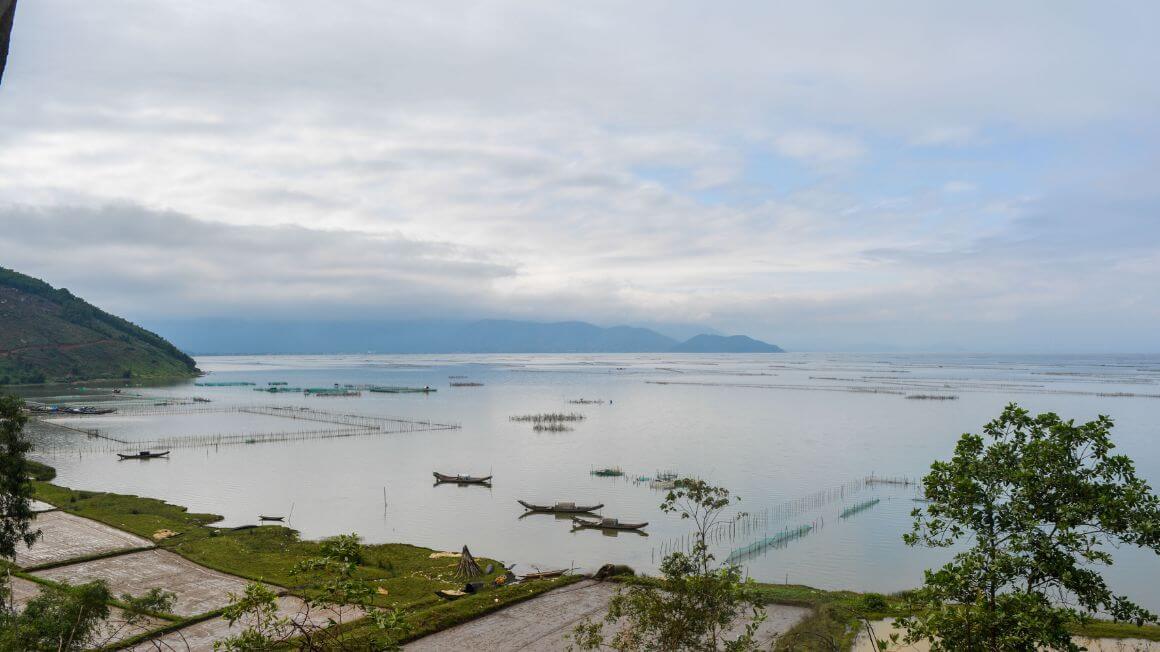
(836, 617)
(84, 558)
(176, 624)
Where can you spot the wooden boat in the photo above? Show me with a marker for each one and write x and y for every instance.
(461, 479)
(271, 518)
(561, 508)
(606, 524)
(543, 575)
(143, 455)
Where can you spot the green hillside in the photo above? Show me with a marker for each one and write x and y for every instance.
(49, 335)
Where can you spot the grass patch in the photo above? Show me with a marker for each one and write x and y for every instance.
(140, 516)
(267, 553)
(836, 617)
(40, 472)
(1106, 629)
(407, 573)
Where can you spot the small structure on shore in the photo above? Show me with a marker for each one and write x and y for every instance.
(467, 568)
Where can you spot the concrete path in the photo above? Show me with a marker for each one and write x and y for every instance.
(885, 627)
(198, 589)
(65, 536)
(542, 623)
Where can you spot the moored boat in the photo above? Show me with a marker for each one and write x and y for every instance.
(606, 524)
(262, 517)
(561, 508)
(461, 479)
(543, 575)
(143, 455)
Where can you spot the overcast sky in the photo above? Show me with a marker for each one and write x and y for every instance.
(923, 175)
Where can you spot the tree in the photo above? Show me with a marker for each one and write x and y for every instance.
(15, 487)
(339, 595)
(65, 618)
(1039, 499)
(695, 603)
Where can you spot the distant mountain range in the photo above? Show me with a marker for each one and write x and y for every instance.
(48, 334)
(236, 336)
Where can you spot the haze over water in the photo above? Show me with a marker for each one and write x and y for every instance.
(774, 429)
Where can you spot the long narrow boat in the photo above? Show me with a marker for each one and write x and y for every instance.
(461, 479)
(561, 508)
(543, 575)
(606, 524)
(262, 517)
(143, 455)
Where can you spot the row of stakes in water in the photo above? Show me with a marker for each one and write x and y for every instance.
(748, 524)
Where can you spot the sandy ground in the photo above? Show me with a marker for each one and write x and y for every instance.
(38, 506)
(198, 589)
(541, 624)
(201, 636)
(883, 629)
(65, 536)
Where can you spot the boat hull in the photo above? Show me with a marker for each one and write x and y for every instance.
(555, 509)
(598, 525)
(461, 479)
(142, 456)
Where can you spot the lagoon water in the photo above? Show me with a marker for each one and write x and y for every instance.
(791, 434)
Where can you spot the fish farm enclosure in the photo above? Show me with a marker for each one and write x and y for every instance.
(826, 452)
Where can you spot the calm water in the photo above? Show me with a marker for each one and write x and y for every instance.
(775, 429)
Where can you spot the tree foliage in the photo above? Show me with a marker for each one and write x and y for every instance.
(695, 604)
(1038, 499)
(339, 596)
(15, 487)
(76, 617)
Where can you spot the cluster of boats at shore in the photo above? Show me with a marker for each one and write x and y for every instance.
(582, 516)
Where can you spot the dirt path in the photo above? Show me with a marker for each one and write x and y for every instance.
(543, 623)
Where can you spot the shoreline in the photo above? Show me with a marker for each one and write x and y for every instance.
(405, 575)
(265, 553)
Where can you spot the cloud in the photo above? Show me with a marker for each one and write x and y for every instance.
(818, 147)
(649, 162)
(956, 136)
(148, 263)
(958, 186)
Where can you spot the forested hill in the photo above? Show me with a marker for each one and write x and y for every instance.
(47, 334)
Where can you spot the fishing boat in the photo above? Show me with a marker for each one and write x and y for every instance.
(262, 517)
(143, 455)
(543, 575)
(461, 479)
(606, 524)
(561, 508)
